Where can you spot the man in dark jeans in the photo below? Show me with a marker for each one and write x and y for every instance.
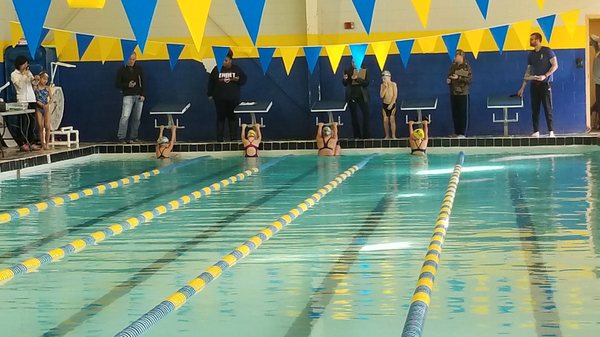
(130, 79)
(224, 88)
(541, 64)
(356, 82)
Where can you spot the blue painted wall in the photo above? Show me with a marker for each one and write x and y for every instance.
(93, 103)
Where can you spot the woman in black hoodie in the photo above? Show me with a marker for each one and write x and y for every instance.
(224, 88)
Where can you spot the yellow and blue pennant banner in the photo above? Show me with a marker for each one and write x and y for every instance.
(77, 246)
(413, 327)
(176, 300)
(60, 200)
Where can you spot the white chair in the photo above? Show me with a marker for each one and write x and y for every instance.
(67, 132)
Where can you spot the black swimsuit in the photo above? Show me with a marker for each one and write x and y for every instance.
(387, 111)
(326, 146)
(246, 150)
(162, 156)
(418, 149)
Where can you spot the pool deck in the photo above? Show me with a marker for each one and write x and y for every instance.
(16, 160)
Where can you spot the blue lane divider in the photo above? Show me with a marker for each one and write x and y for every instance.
(413, 326)
(59, 200)
(176, 300)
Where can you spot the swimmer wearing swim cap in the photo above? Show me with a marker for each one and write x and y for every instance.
(418, 138)
(164, 146)
(327, 140)
(251, 140)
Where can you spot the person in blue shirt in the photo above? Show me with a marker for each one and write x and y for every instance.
(541, 65)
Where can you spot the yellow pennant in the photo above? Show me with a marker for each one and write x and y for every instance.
(335, 53)
(570, 20)
(106, 45)
(523, 31)
(86, 3)
(153, 48)
(61, 39)
(195, 14)
(422, 7)
(16, 33)
(541, 3)
(474, 38)
(427, 44)
(288, 54)
(381, 51)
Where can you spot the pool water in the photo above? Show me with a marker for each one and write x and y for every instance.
(521, 257)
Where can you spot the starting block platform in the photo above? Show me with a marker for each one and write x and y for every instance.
(169, 110)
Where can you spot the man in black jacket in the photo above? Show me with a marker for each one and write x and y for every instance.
(130, 79)
(224, 88)
(356, 82)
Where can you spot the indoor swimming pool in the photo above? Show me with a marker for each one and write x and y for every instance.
(521, 256)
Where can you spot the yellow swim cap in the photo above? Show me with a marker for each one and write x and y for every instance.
(251, 133)
(419, 133)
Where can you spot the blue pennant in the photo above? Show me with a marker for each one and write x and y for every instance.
(220, 55)
(358, 53)
(83, 42)
(547, 25)
(32, 15)
(483, 7)
(312, 56)
(405, 48)
(174, 53)
(128, 47)
(265, 56)
(499, 33)
(451, 42)
(140, 14)
(251, 12)
(365, 9)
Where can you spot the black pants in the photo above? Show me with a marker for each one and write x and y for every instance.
(541, 94)
(354, 104)
(225, 112)
(460, 113)
(596, 106)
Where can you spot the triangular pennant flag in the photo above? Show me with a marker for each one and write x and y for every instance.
(106, 45)
(32, 15)
(220, 55)
(288, 54)
(153, 48)
(335, 53)
(570, 20)
(405, 48)
(427, 44)
(381, 51)
(358, 52)
(128, 47)
(541, 3)
(422, 7)
(523, 31)
(61, 38)
(451, 42)
(16, 33)
(195, 14)
(174, 51)
(499, 33)
(140, 14)
(83, 42)
(474, 38)
(312, 56)
(547, 25)
(251, 12)
(483, 7)
(265, 56)
(365, 9)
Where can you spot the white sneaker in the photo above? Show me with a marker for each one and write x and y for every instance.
(536, 134)
(551, 134)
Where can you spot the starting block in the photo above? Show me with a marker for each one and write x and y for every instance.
(329, 107)
(253, 108)
(169, 110)
(418, 105)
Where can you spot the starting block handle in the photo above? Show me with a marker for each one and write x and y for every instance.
(331, 119)
(253, 116)
(419, 120)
